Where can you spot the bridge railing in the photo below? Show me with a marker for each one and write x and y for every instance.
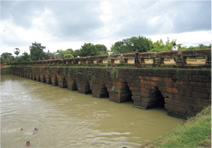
(179, 58)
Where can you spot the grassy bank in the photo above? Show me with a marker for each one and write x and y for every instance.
(195, 132)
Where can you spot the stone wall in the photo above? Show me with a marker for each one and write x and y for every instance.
(5, 71)
(181, 92)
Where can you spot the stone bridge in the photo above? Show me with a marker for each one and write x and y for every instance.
(183, 87)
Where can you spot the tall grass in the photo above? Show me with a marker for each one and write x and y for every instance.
(196, 132)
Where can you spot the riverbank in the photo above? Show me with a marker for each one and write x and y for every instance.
(195, 132)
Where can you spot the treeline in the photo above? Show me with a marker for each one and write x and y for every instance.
(143, 44)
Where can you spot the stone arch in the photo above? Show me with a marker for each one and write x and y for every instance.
(159, 99)
(54, 80)
(42, 78)
(126, 93)
(48, 79)
(104, 92)
(153, 98)
(87, 89)
(34, 77)
(100, 90)
(74, 85)
(63, 82)
(38, 77)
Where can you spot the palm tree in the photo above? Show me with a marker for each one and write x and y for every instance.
(17, 51)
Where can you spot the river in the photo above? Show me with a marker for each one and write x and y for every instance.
(68, 119)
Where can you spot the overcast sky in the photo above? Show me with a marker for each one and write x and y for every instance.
(71, 23)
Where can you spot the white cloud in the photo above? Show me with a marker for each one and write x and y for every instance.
(70, 24)
(186, 38)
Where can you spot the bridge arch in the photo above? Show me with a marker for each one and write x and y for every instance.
(157, 99)
(72, 84)
(42, 78)
(62, 82)
(104, 92)
(88, 89)
(54, 80)
(38, 77)
(48, 79)
(126, 93)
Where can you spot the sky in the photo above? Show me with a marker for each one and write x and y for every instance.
(71, 23)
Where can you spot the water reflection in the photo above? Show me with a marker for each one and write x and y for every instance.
(69, 119)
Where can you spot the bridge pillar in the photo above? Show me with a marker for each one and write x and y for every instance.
(48, 78)
(99, 90)
(42, 78)
(54, 79)
(38, 77)
(119, 92)
(180, 59)
(158, 61)
(62, 81)
(71, 83)
(83, 86)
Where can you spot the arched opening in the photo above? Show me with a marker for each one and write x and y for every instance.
(104, 93)
(55, 81)
(160, 99)
(48, 79)
(64, 83)
(128, 94)
(34, 77)
(87, 88)
(157, 99)
(74, 85)
(38, 78)
(44, 79)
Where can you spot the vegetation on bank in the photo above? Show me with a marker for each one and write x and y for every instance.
(195, 132)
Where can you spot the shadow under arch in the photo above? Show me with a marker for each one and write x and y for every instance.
(43, 79)
(156, 99)
(48, 79)
(55, 80)
(64, 82)
(38, 77)
(34, 77)
(87, 88)
(126, 93)
(104, 92)
(74, 85)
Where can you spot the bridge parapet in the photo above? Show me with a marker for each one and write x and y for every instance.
(179, 58)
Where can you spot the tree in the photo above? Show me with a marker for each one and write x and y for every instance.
(88, 49)
(159, 45)
(101, 49)
(68, 53)
(17, 51)
(25, 57)
(76, 53)
(36, 51)
(130, 44)
(6, 58)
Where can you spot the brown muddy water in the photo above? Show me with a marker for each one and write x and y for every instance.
(67, 119)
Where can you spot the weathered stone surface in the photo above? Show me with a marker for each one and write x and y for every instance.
(182, 92)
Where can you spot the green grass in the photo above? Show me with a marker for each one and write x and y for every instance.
(196, 132)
